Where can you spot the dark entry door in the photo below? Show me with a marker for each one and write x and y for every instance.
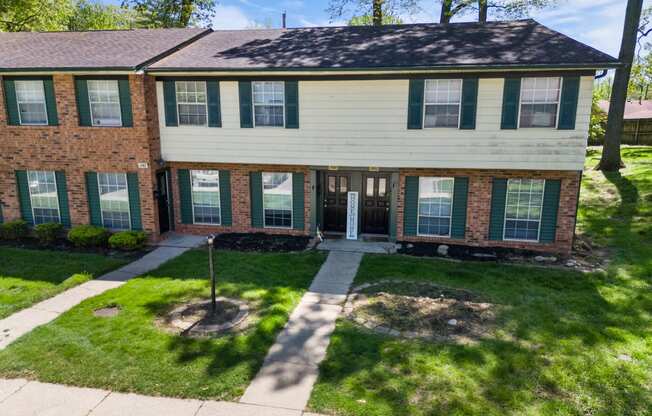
(375, 204)
(163, 200)
(336, 186)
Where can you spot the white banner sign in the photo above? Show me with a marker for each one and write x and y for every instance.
(352, 216)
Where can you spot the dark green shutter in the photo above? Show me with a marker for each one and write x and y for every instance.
(83, 105)
(13, 119)
(568, 103)
(411, 205)
(23, 196)
(497, 215)
(511, 99)
(415, 104)
(125, 103)
(170, 99)
(2, 218)
(185, 196)
(50, 102)
(469, 103)
(133, 189)
(213, 99)
(246, 106)
(256, 196)
(62, 196)
(548, 228)
(298, 220)
(225, 197)
(458, 216)
(93, 192)
(291, 104)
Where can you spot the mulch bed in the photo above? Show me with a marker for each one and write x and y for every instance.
(459, 252)
(260, 242)
(195, 318)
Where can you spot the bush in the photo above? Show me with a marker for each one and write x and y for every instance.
(14, 230)
(128, 240)
(48, 232)
(88, 236)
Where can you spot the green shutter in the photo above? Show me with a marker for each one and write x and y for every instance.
(411, 205)
(246, 106)
(50, 102)
(213, 99)
(93, 192)
(2, 218)
(497, 215)
(62, 196)
(23, 196)
(225, 197)
(298, 220)
(469, 103)
(548, 228)
(13, 119)
(83, 106)
(568, 103)
(291, 104)
(458, 216)
(415, 104)
(134, 201)
(185, 196)
(170, 99)
(511, 98)
(125, 103)
(256, 195)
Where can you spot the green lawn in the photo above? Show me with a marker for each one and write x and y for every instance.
(559, 332)
(129, 353)
(29, 276)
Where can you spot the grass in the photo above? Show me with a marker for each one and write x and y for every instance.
(130, 353)
(29, 276)
(559, 334)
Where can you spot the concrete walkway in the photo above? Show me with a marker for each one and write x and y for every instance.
(291, 367)
(22, 322)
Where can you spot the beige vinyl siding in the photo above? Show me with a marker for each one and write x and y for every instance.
(364, 123)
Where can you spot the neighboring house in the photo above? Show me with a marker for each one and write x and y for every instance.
(637, 127)
(463, 133)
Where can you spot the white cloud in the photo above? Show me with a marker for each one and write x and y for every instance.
(231, 17)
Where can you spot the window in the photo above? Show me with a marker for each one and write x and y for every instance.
(30, 97)
(435, 206)
(206, 196)
(191, 103)
(277, 199)
(269, 100)
(523, 209)
(114, 200)
(43, 196)
(539, 102)
(104, 99)
(442, 98)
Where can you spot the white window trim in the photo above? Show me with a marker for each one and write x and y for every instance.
(90, 108)
(45, 106)
(450, 219)
(253, 109)
(219, 201)
(291, 226)
(520, 105)
(538, 239)
(205, 106)
(29, 189)
(459, 105)
(99, 191)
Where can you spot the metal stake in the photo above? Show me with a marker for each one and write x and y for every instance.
(210, 239)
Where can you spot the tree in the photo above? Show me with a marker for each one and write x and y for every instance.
(597, 122)
(367, 20)
(173, 13)
(502, 9)
(611, 160)
(95, 16)
(377, 9)
(31, 15)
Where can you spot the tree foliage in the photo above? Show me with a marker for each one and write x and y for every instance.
(360, 8)
(173, 13)
(367, 20)
(499, 9)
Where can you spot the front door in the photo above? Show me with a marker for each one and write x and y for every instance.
(336, 186)
(163, 201)
(375, 203)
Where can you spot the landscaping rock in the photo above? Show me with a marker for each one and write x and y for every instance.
(546, 259)
(442, 250)
(484, 256)
(452, 322)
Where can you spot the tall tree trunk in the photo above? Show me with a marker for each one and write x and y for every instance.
(482, 11)
(378, 12)
(611, 160)
(445, 16)
(185, 13)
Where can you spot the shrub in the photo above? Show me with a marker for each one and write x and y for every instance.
(48, 232)
(128, 240)
(14, 230)
(88, 236)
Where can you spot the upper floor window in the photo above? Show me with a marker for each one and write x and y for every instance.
(114, 200)
(523, 209)
(435, 206)
(269, 103)
(539, 101)
(43, 196)
(442, 98)
(277, 199)
(104, 100)
(30, 98)
(191, 103)
(206, 196)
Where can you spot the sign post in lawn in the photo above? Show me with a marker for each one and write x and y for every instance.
(211, 239)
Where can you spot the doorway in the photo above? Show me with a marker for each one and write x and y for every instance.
(375, 203)
(336, 187)
(164, 201)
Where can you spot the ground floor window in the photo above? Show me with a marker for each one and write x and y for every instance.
(206, 196)
(114, 200)
(277, 199)
(435, 206)
(43, 196)
(523, 209)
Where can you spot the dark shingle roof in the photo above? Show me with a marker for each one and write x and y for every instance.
(523, 43)
(114, 49)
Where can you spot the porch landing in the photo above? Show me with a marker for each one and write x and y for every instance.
(357, 246)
